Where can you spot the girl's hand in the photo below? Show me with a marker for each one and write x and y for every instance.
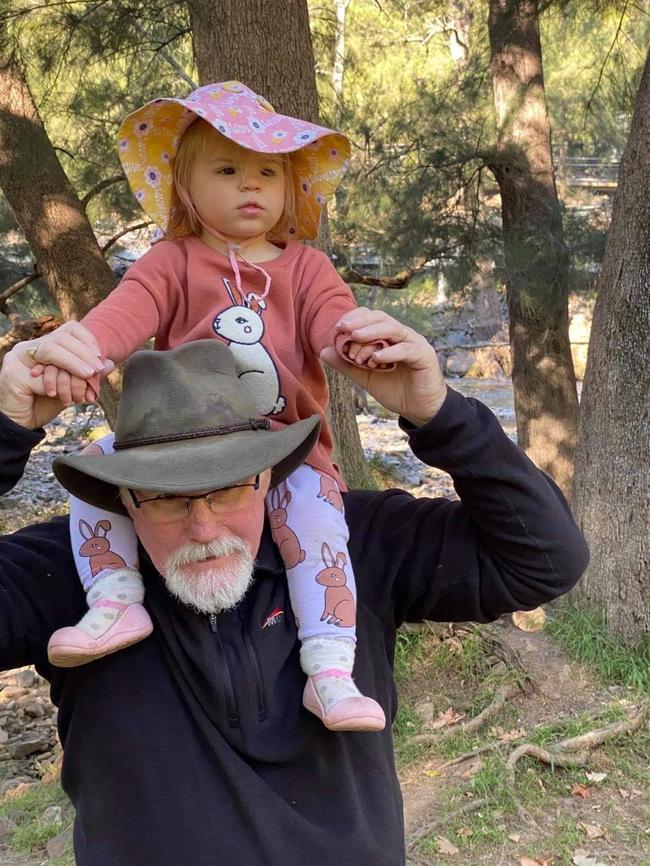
(66, 387)
(415, 389)
(71, 347)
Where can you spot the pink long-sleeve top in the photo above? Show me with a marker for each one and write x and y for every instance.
(184, 290)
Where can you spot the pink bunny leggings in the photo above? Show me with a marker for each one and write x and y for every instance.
(308, 526)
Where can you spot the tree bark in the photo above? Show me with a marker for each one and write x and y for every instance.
(536, 257)
(46, 206)
(612, 477)
(266, 44)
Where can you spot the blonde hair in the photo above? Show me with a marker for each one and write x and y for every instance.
(183, 219)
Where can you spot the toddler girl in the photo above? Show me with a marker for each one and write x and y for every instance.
(233, 186)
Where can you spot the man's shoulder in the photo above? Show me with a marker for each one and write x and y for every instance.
(53, 535)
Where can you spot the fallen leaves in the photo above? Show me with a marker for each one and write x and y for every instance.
(592, 831)
(508, 736)
(580, 790)
(596, 778)
(449, 717)
(539, 861)
(445, 846)
(580, 858)
(529, 620)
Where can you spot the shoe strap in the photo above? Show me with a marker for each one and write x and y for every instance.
(332, 672)
(107, 602)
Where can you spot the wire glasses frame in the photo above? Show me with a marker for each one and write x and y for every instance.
(167, 507)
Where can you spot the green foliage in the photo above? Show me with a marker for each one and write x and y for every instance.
(584, 634)
(32, 831)
(88, 64)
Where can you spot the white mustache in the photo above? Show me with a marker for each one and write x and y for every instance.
(197, 551)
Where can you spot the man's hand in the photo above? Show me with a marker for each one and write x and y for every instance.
(69, 360)
(415, 389)
(23, 396)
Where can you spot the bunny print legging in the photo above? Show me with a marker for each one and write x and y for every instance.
(308, 526)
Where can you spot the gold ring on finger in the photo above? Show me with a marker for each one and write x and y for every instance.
(32, 353)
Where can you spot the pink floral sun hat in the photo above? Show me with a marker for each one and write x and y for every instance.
(149, 137)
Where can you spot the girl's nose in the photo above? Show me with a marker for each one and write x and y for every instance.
(250, 180)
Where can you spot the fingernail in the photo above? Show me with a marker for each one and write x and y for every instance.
(89, 371)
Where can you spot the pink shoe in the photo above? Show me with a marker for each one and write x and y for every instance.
(348, 714)
(72, 646)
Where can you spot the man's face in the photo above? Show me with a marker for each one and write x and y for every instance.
(206, 558)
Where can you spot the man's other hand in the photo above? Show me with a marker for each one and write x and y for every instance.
(22, 395)
(415, 389)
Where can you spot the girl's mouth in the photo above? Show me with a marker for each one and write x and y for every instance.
(251, 209)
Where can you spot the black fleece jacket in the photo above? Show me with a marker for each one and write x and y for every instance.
(192, 747)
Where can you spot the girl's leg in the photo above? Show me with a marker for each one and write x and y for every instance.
(105, 549)
(308, 525)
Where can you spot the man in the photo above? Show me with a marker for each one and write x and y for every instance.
(192, 747)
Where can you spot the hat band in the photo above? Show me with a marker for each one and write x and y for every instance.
(252, 424)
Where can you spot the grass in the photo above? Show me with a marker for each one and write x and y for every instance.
(584, 635)
(460, 673)
(32, 831)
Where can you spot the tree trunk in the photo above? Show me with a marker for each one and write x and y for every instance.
(266, 44)
(458, 24)
(46, 206)
(612, 476)
(338, 67)
(536, 258)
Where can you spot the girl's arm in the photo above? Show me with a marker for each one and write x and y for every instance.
(132, 314)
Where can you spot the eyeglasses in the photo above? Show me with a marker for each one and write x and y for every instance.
(165, 508)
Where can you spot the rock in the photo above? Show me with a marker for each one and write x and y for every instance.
(28, 744)
(459, 362)
(16, 786)
(26, 678)
(56, 847)
(53, 815)
(6, 826)
(34, 709)
(12, 693)
(4, 736)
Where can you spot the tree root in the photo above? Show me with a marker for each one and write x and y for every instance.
(555, 759)
(432, 826)
(509, 690)
(596, 738)
(490, 747)
(573, 752)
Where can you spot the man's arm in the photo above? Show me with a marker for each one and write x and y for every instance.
(38, 592)
(510, 543)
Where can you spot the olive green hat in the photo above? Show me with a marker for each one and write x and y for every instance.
(185, 424)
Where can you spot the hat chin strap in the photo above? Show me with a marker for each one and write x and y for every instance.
(234, 250)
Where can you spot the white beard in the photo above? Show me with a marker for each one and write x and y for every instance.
(214, 588)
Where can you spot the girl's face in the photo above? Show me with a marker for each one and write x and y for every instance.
(236, 191)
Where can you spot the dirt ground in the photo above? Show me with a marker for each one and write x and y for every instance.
(571, 819)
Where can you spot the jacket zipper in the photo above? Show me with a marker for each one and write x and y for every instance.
(259, 683)
(231, 705)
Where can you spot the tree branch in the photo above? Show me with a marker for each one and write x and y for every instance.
(168, 57)
(109, 243)
(109, 181)
(16, 287)
(607, 56)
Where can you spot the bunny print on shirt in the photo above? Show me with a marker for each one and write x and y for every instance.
(242, 325)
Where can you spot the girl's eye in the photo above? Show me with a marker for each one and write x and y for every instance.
(226, 170)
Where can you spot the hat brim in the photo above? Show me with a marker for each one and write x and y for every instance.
(320, 156)
(187, 466)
